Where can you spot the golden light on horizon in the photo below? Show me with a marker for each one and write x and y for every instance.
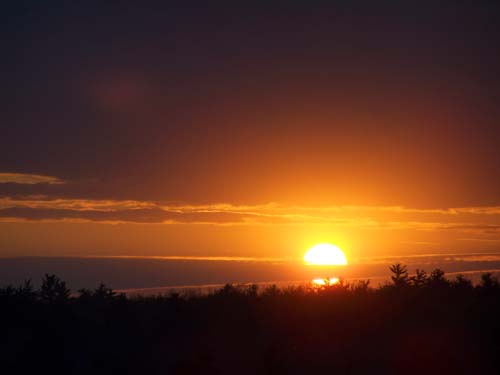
(323, 282)
(325, 255)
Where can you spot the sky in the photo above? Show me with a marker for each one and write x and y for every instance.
(249, 129)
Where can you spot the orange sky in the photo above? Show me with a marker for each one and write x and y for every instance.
(98, 227)
(250, 130)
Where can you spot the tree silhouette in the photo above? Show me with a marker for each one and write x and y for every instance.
(400, 275)
(53, 289)
(271, 291)
(420, 279)
(26, 290)
(102, 292)
(461, 282)
(360, 286)
(85, 294)
(7, 291)
(228, 290)
(488, 281)
(437, 279)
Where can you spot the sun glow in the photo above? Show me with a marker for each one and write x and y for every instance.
(325, 255)
(326, 282)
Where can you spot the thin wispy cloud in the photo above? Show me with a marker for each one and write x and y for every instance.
(29, 179)
(493, 240)
(472, 220)
(74, 204)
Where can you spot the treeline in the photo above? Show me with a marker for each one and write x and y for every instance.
(53, 289)
(423, 322)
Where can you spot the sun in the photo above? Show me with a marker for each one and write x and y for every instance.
(326, 282)
(325, 254)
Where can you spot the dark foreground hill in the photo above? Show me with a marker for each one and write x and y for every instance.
(424, 324)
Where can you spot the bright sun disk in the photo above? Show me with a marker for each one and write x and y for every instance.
(325, 255)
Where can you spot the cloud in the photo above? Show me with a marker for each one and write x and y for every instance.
(474, 221)
(494, 210)
(479, 239)
(42, 202)
(194, 258)
(28, 179)
(431, 258)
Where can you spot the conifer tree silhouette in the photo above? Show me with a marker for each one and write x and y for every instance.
(53, 289)
(400, 275)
